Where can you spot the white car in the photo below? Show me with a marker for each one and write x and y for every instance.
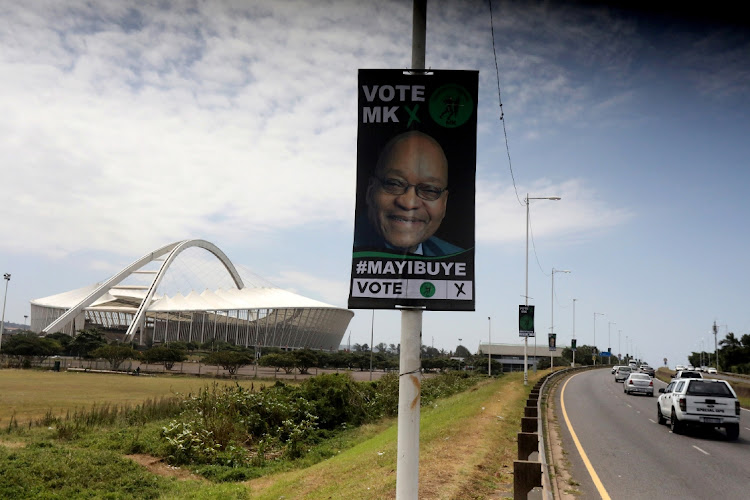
(679, 367)
(694, 402)
(711, 369)
(638, 383)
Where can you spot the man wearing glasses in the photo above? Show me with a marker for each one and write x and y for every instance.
(407, 198)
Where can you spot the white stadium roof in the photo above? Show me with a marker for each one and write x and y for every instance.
(137, 299)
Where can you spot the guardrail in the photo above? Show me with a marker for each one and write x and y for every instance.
(531, 475)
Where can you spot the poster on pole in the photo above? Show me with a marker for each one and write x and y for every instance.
(573, 345)
(526, 321)
(416, 166)
(552, 337)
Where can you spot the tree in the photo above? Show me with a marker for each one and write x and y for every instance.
(280, 360)
(87, 341)
(164, 354)
(26, 346)
(304, 359)
(115, 354)
(231, 361)
(63, 339)
(462, 352)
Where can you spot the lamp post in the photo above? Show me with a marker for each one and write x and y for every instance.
(372, 339)
(609, 341)
(619, 350)
(489, 346)
(596, 348)
(552, 307)
(526, 295)
(6, 277)
(574, 332)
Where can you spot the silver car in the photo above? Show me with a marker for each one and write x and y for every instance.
(639, 383)
(622, 373)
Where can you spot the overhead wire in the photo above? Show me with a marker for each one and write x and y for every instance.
(500, 101)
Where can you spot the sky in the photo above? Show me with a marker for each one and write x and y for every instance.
(125, 126)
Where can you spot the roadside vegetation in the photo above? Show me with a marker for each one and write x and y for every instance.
(282, 438)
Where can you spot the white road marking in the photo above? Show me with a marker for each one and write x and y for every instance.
(702, 451)
(652, 421)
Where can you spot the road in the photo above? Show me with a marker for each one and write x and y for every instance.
(624, 453)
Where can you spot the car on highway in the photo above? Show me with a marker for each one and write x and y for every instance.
(688, 374)
(690, 367)
(679, 367)
(711, 369)
(614, 368)
(696, 402)
(638, 383)
(648, 370)
(622, 373)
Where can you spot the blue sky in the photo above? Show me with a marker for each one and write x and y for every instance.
(126, 126)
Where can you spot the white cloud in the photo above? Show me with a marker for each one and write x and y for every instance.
(502, 219)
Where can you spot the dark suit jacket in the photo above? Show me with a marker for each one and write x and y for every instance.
(365, 238)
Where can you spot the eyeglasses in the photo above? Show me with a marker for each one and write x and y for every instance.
(399, 187)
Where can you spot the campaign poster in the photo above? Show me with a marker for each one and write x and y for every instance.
(416, 166)
(552, 341)
(573, 345)
(526, 321)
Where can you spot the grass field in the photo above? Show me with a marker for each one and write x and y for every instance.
(30, 394)
(467, 447)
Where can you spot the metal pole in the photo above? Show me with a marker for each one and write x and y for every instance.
(6, 277)
(609, 341)
(552, 316)
(574, 331)
(409, 384)
(526, 297)
(407, 463)
(372, 339)
(489, 347)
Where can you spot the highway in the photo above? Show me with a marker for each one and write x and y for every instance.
(622, 453)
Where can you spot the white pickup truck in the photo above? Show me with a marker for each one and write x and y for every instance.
(701, 403)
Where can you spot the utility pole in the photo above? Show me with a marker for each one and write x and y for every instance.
(716, 350)
(409, 385)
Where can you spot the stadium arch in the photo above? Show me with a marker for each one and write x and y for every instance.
(241, 315)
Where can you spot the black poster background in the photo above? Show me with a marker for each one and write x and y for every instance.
(392, 91)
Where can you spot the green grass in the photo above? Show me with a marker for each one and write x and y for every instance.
(464, 446)
(467, 444)
(30, 394)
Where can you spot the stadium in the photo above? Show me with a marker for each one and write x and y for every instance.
(156, 299)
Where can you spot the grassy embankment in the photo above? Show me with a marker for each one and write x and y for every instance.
(467, 447)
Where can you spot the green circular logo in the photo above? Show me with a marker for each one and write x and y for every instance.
(451, 105)
(427, 289)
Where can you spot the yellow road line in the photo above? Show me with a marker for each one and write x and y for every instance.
(584, 457)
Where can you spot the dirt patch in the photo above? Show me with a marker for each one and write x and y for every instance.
(12, 444)
(159, 467)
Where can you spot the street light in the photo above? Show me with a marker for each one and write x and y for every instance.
(526, 295)
(552, 310)
(595, 348)
(489, 346)
(609, 341)
(6, 277)
(574, 332)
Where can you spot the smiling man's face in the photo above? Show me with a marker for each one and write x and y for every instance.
(406, 220)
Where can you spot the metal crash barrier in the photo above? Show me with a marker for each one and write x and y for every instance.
(531, 475)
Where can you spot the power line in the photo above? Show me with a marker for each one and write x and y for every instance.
(500, 101)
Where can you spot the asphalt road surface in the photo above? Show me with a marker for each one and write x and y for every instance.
(623, 453)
